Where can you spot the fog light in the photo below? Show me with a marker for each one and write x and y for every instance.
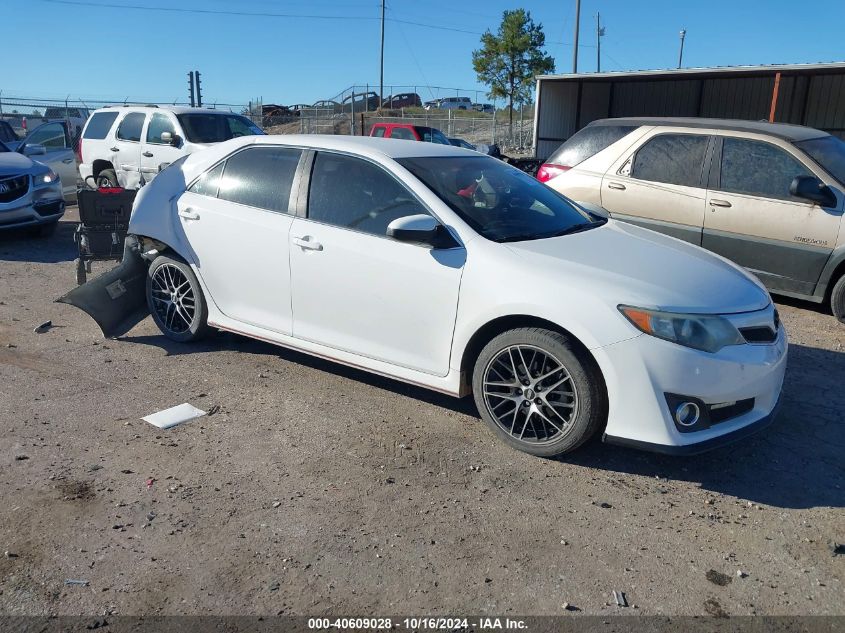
(687, 414)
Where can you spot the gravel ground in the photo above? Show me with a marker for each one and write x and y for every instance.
(317, 489)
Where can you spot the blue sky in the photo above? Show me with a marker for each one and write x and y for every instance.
(114, 52)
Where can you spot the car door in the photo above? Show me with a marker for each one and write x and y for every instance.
(357, 290)
(156, 153)
(660, 184)
(60, 155)
(237, 219)
(753, 220)
(126, 151)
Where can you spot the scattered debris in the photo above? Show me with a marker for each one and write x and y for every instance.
(21, 458)
(43, 327)
(569, 607)
(179, 414)
(274, 586)
(82, 583)
(276, 504)
(718, 578)
(11, 345)
(126, 471)
(151, 516)
(837, 549)
(213, 409)
(9, 554)
(150, 482)
(604, 505)
(96, 624)
(619, 597)
(488, 580)
(390, 480)
(741, 574)
(714, 608)
(94, 467)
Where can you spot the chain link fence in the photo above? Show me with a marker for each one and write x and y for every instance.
(352, 114)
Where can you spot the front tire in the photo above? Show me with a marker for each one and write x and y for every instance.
(539, 393)
(175, 300)
(837, 299)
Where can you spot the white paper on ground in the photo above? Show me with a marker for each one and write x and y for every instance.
(174, 415)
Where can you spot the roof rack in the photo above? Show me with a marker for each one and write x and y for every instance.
(132, 105)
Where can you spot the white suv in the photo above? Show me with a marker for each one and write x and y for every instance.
(128, 145)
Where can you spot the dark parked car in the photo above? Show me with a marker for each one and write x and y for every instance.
(365, 102)
(403, 100)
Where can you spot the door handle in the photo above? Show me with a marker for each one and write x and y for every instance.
(714, 202)
(115, 149)
(616, 185)
(147, 154)
(67, 161)
(307, 244)
(189, 214)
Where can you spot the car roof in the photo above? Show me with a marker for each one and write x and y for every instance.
(368, 146)
(783, 131)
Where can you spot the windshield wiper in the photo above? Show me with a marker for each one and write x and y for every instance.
(577, 228)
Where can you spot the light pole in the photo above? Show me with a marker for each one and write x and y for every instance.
(381, 66)
(681, 53)
(599, 34)
(575, 45)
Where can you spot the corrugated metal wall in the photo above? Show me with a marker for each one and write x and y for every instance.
(805, 97)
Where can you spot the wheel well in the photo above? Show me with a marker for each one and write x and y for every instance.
(100, 165)
(838, 272)
(492, 329)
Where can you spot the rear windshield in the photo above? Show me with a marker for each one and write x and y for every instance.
(829, 152)
(99, 125)
(588, 142)
(216, 128)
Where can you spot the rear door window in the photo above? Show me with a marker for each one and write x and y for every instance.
(99, 125)
(260, 177)
(207, 184)
(379, 131)
(756, 168)
(402, 133)
(587, 143)
(130, 127)
(675, 159)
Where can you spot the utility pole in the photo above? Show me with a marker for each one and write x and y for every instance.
(575, 45)
(191, 88)
(681, 53)
(599, 35)
(381, 70)
(199, 89)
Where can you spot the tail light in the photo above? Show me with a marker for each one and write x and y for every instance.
(79, 150)
(548, 171)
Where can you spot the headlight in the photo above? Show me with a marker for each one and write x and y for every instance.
(699, 331)
(45, 178)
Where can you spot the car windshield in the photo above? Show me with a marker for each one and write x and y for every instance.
(215, 128)
(500, 202)
(829, 152)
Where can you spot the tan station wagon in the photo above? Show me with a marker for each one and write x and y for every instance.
(768, 196)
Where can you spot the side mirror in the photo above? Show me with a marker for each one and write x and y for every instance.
(34, 149)
(166, 137)
(175, 139)
(812, 189)
(420, 229)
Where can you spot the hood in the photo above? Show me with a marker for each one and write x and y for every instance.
(12, 163)
(635, 266)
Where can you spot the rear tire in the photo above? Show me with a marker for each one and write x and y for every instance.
(538, 392)
(837, 299)
(175, 300)
(107, 178)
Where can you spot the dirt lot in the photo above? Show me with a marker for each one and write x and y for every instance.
(319, 489)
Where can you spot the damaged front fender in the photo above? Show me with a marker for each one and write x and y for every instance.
(116, 300)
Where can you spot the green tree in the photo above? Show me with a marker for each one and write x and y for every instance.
(509, 60)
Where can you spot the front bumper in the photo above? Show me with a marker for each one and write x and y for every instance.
(38, 206)
(639, 372)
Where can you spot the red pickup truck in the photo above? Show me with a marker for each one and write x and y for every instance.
(409, 132)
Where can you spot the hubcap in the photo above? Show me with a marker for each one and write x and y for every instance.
(173, 298)
(530, 394)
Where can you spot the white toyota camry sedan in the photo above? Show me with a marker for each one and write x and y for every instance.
(451, 270)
